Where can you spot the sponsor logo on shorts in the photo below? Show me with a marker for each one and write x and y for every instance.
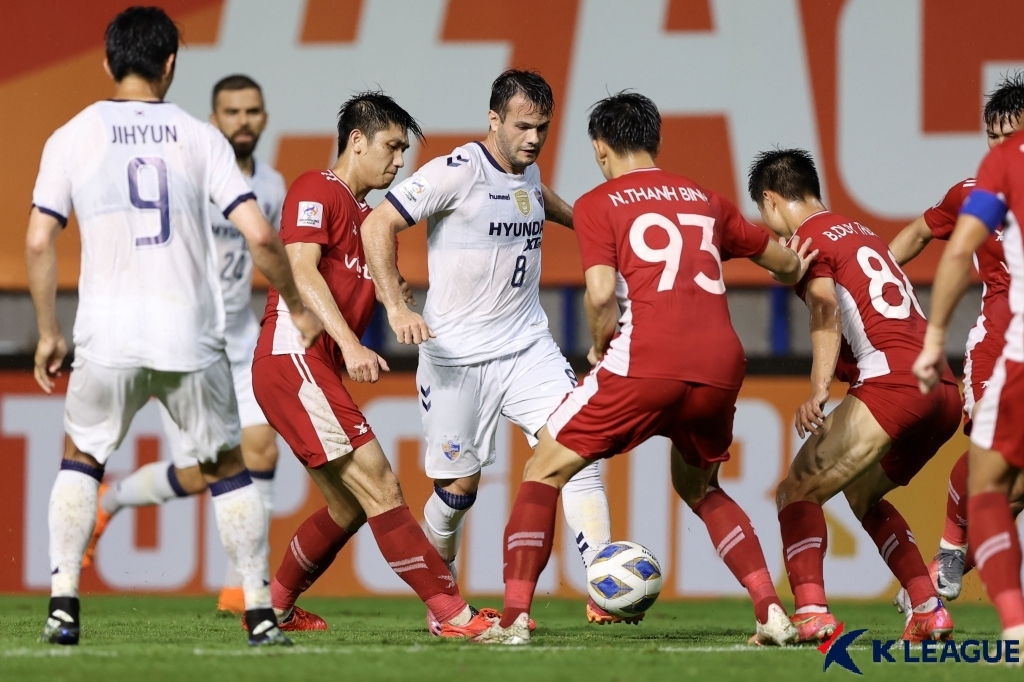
(311, 214)
(362, 428)
(451, 449)
(523, 201)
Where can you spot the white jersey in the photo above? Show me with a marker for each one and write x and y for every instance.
(141, 176)
(484, 230)
(234, 265)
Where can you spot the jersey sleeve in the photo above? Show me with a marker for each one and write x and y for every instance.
(437, 187)
(596, 238)
(228, 187)
(52, 191)
(986, 201)
(941, 218)
(309, 209)
(740, 238)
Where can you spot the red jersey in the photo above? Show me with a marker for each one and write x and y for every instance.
(320, 209)
(883, 324)
(997, 200)
(666, 238)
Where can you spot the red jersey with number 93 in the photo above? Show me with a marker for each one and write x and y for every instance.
(883, 324)
(666, 238)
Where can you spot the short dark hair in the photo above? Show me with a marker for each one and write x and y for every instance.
(234, 82)
(626, 122)
(527, 83)
(139, 41)
(371, 112)
(1005, 104)
(790, 173)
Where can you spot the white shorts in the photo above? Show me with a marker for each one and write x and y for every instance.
(461, 405)
(241, 335)
(101, 402)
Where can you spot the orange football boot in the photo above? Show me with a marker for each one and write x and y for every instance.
(595, 614)
(481, 622)
(937, 624)
(102, 519)
(814, 627)
(231, 600)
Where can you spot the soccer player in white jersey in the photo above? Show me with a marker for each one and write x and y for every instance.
(140, 175)
(485, 348)
(238, 111)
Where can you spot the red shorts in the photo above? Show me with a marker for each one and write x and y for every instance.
(999, 421)
(979, 365)
(304, 400)
(917, 424)
(608, 414)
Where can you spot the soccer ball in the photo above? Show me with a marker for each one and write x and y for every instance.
(624, 579)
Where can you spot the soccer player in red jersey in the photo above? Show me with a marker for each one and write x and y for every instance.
(302, 393)
(985, 342)
(997, 438)
(866, 327)
(652, 245)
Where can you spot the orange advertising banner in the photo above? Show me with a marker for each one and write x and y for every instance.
(175, 548)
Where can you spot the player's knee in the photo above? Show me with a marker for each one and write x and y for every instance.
(860, 503)
(228, 463)
(467, 485)
(347, 517)
(71, 452)
(191, 480)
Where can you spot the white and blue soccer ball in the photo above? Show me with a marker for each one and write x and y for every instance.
(624, 579)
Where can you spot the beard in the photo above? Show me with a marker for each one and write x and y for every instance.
(244, 150)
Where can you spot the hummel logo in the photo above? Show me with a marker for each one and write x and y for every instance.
(363, 428)
(458, 161)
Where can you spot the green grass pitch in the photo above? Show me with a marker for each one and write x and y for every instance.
(173, 638)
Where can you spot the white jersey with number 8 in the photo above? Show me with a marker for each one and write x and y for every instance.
(484, 232)
(141, 177)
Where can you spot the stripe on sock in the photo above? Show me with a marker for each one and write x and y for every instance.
(226, 485)
(796, 548)
(263, 475)
(307, 565)
(735, 536)
(989, 548)
(456, 502)
(82, 468)
(172, 478)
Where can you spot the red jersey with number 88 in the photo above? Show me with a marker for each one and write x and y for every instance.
(883, 324)
(666, 238)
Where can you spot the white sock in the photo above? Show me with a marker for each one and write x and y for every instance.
(265, 487)
(149, 484)
(813, 608)
(444, 522)
(950, 546)
(243, 531)
(72, 517)
(585, 506)
(928, 606)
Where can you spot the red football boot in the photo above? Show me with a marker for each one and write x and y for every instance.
(936, 624)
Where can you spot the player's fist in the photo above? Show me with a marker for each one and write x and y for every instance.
(592, 357)
(309, 326)
(409, 327)
(362, 363)
(810, 417)
(50, 352)
(406, 291)
(803, 252)
(928, 367)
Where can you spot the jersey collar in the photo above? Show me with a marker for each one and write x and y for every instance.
(490, 159)
(343, 184)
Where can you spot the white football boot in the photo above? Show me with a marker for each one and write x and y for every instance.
(513, 635)
(778, 630)
(903, 605)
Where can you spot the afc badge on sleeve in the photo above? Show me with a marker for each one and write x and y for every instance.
(311, 214)
(414, 188)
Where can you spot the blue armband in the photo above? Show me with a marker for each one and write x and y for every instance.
(986, 207)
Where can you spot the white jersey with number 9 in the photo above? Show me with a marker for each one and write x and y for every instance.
(140, 177)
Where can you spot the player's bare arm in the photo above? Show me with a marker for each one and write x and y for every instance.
(378, 233)
(602, 309)
(556, 209)
(269, 256)
(361, 362)
(788, 262)
(911, 241)
(826, 337)
(41, 259)
(951, 280)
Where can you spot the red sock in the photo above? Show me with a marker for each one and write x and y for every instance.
(968, 561)
(955, 532)
(735, 541)
(804, 540)
(528, 538)
(896, 544)
(310, 552)
(414, 559)
(993, 536)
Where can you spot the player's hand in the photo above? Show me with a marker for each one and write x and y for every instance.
(810, 417)
(362, 363)
(309, 325)
(409, 326)
(928, 367)
(50, 352)
(592, 357)
(406, 292)
(803, 252)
